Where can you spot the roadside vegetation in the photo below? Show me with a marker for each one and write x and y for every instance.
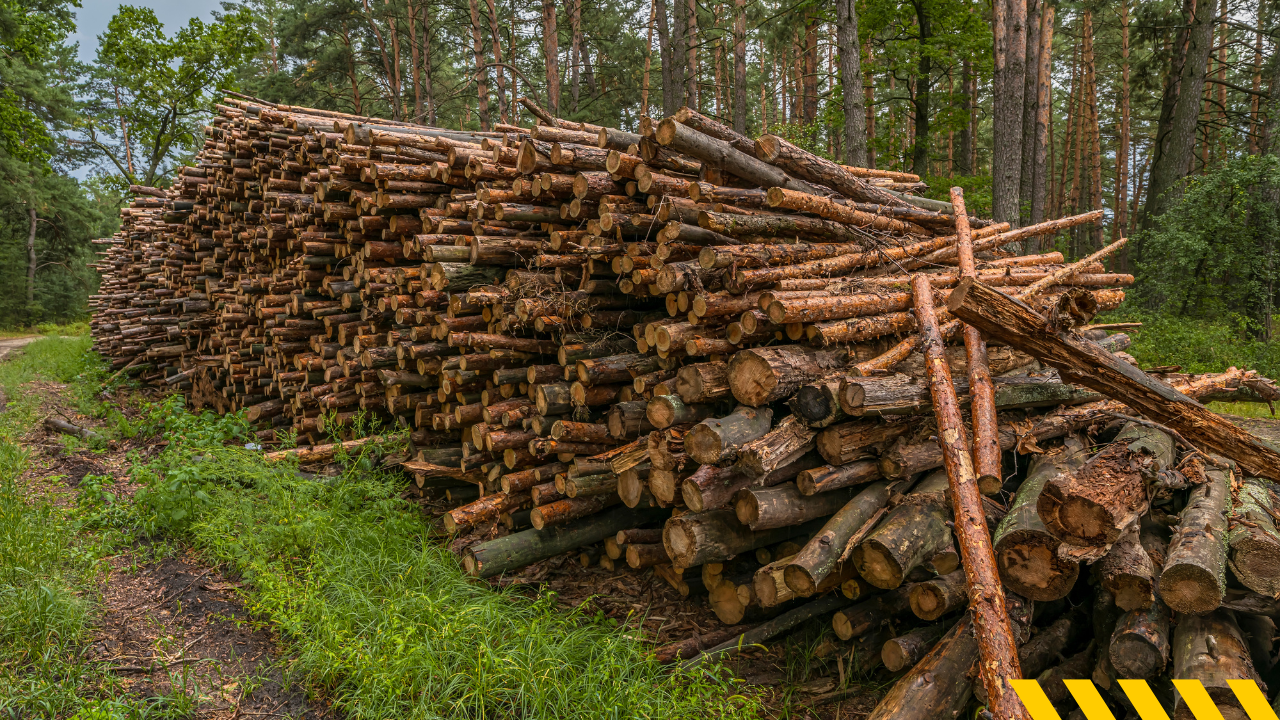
(377, 617)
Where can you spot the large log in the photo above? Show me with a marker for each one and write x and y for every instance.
(760, 376)
(1139, 646)
(823, 552)
(773, 149)
(721, 154)
(1091, 507)
(1194, 578)
(996, 642)
(938, 687)
(714, 535)
(908, 537)
(1130, 567)
(1210, 650)
(717, 440)
(1254, 537)
(1085, 363)
(783, 506)
(1026, 552)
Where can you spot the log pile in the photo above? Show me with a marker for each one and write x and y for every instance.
(724, 361)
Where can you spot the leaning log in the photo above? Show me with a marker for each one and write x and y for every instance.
(1084, 362)
(997, 646)
(1194, 576)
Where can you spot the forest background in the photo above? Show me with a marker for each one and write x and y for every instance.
(1163, 113)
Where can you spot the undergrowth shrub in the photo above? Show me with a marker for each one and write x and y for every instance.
(1197, 345)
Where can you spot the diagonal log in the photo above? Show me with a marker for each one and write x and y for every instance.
(1084, 362)
(997, 645)
(982, 393)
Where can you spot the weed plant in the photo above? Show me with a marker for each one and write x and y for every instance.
(384, 619)
(50, 562)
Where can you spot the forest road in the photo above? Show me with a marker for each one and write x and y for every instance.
(7, 344)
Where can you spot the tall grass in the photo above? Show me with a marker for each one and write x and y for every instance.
(387, 622)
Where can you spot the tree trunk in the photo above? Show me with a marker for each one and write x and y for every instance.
(920, 152)
(1211, 651)
(938, 687)
(1120, 223)
(496, 36)
(823, 552)
(1010, 33)
(691, 55)
(964, 164)
(575, 51)
(998, 647)
(528, 546)
(1255, 543)
(740, 66)
(551, 55)
(668, 58)
(1130, 567)
(1176, 135)
(1042, 170)
(31, 258)
(697, 538)
(908, 537)
(481, 74)
(1093, 506)
(1030, 109)
(855, 130)
(784, 506)
(1139, 646)
(716, 441)
(1026, 553)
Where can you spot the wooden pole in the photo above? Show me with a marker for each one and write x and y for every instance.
(982, 393)
(996, 643)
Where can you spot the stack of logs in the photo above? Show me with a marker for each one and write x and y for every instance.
(685, 352)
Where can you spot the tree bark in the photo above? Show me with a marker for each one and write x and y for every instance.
(991, 619)
(908, 537)
(716, 441)
(528, 546)
(1176, 134)
(31, 259)
(740, 66)
(481, 74)
(670, 104)
(1255, 542)
(1026, 552)
(1030, 108)
(1010, 34)
(696, 538)
(760, 376)
(1139, 646)
(823, 552)
(1083, 362)
(551, 55)
(1041, 170)
(719, 153)
(1211, 650)
(1130, 567)
(777, 151)
(784, 506)
(1194, 576)
(855, 130)
(982, 400)
(923, 81)
(1092, 506)
(934, 598)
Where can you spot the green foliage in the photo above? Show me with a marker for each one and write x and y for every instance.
(388, 624)
(159, 87)
(1214, 254)
(977, 191)
(31, 99)
(1197, 345)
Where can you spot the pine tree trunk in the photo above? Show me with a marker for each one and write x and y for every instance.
(481, 75)
(648, 62)
(575, 52)
(496, 36)
(551, 55)
(1042, 169)
(667, 57)
(31, 258)
(920, 153)
(810, 82)
(691, 56)
(1030, 110)
(1010, 18)
(964, 165)
(1176, 135)
(740, 66)
(1094, 131)
(855, 130)
(1120, 222)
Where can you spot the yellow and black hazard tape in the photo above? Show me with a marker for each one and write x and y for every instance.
(1192, 692)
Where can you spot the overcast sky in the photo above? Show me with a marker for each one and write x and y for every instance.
(92, 18)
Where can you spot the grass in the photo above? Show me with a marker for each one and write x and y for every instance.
(385, 621)
(50, 562)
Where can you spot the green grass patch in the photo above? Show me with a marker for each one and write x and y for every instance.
(384, 619)
(51, 559)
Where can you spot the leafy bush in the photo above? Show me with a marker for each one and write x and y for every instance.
(1214, 253)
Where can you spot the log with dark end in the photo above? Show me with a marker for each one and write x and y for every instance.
(1211, 649)
(1194, 577)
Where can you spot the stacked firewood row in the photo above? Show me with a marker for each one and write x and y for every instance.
(686, 352)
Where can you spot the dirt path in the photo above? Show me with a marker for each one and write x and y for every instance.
(165, 620)
(7, 344)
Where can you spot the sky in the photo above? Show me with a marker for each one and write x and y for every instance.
(93, 16)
